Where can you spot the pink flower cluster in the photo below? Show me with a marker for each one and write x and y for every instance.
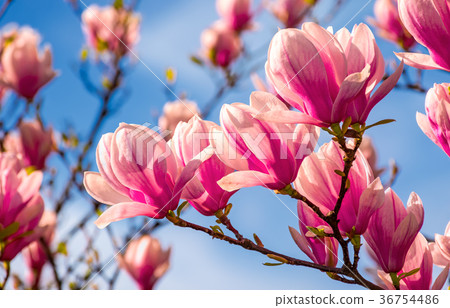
(291, 12)
(21, 206)
(221, 43)
(145, 261)
(329, 78)
(33, 144)
(389, 24)
(23, 68)
(110, 29)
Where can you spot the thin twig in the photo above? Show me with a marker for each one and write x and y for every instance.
(51, 260)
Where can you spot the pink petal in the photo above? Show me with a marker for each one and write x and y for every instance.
(424, 124)
(99, 189)
(241, 179)
(302, 243)
(419, 61)
(441, 279)
(371, 199)
(383, 90)
(289, 117)
(350, 87)
(127, 210)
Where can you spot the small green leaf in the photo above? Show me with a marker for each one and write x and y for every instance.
(62, 248)
(346, 125)
(197, 60)
(30, 169)
(277, 258)
(316, 231)
(339, 172)
(84, 54)
(118, 4)
(73, 285)
(228, 209)
(257, 240)
(382, 122)
(272, 264)
(217, 229)
(171, 75)
(180, 208)
(336, 129)
(410, 273)
(9, 230)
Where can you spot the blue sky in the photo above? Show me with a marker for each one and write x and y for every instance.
(170, 34)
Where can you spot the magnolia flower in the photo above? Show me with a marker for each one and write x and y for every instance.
(34, 144)
(318, 182)
(110, 29)
(220, 45)
(436, 125)
(23, 68)
(321, 250)
(392, 229)
(440, 249)
(35, 254)
(139, 175)
(418, 257)
(389, 25)
(203, 192)
(428, 22)
(265, 154)
(145, 261)
(327, 77)
(176, 112)
(291, 12)
(236, 14)
(21, 206)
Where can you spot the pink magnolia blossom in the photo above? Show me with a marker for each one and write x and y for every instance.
(23, 68)
(21, 206)
(265, 154)
(203, 192)
(429, 23)
(389, 25)
(220, 45)
(139, 175)
(321, 250)
(176, 112)
(318, 182)
(418, 257)
(236, 14)
(34, 254)
(327, 77)
(110, 29)
(440, 249)
(34, 144)
(436, 125)
(145, 261)
(392, 229)
(291, 12)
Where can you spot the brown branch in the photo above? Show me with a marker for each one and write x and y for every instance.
(249, 245)
(5, 7)
(51, 260)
